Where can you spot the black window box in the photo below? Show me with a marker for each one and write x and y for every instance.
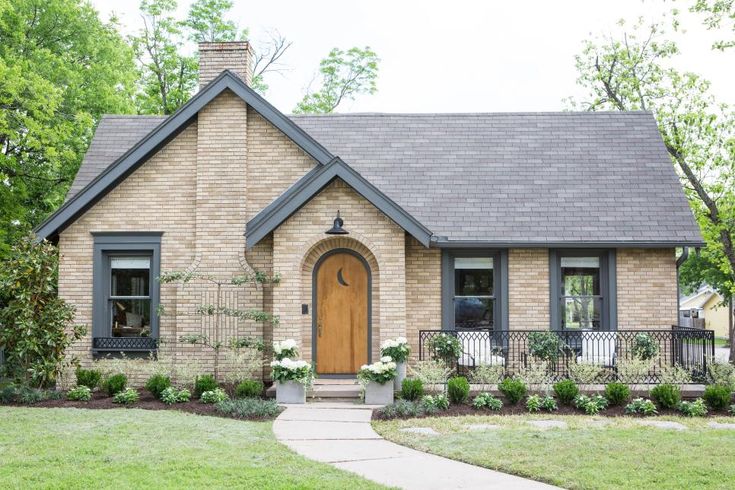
(124, 344)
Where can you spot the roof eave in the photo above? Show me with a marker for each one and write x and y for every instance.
(445, 243)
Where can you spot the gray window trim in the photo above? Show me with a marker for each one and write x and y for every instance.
(500, 258)
(106, 244)
(608, 284)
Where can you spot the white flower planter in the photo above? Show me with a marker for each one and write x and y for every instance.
(377, 394)
(290, 392)
(398, 381)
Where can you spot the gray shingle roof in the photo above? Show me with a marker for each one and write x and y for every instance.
(498, 177)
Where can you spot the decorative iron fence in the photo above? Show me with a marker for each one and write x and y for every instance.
(632, 356)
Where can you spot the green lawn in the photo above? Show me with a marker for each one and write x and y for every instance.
(622, 454)
(721, 342)
(129, 448)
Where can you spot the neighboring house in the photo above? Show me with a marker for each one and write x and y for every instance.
(704, 309)
(503, 221)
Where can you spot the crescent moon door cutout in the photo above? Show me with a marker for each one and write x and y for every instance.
(341, 310)
(341, 278)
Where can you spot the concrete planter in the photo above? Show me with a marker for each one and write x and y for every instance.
(377, 394)
(290, 392)
(401, 369)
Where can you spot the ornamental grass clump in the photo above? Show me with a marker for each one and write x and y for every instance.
(591, 405)
(285, 349)
(249, 408)
(81, 393)
(404, 409)
(566, 390)
(287, 370)
(487, 400)
(697, 408)
(641, 406)
(379, 372)
(397, 349)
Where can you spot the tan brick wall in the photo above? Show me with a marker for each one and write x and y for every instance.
(423, 291)
(214, 58)
(646, 283)
(370, 231)
(528, 289)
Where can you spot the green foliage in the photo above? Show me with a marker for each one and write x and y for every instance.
(697, 408)
(545, 346)
(666, 395)
(617, 393)
(718, 397)
(128, 396)
(115, 384)
(36, 323)
(344, 76)
(171, 395)
(641, 406)
(215, 396)
(458, 389)
(412, 389)
(29, 395)
(61, 68)
(487, 400)
(717, 13)
(644, 347)
(249, 408)
(88, 377)
(431, 373)
(435, 402)
(732, 410)
(445, 347)
(513, 389)
(81, 393)
(536, 403)
(205, 382)
(207, 24)
(721, 373)
(591, 405)
(487, 374)
(404, 409)
(250, 388)
(156, 384)
(566, 390)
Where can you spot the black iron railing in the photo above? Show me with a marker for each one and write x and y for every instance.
(637, 356)
(124, 344)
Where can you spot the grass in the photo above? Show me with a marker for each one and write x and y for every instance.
(132, 448)
(721, 342)
(589, 455)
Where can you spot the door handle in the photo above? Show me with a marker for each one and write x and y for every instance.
(319, 329)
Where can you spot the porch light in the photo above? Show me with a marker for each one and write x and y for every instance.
(337, 227)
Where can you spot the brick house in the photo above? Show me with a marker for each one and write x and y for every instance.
(497, 222)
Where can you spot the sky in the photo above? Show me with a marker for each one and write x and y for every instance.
(454, 56)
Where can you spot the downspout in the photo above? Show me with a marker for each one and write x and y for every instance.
(680, 260)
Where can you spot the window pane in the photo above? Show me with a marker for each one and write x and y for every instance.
(580, 280)
(473, 263)
(130, 276)
(473, 276)
(593, 262)
(581, 312)
(473, 312)
(131, 317)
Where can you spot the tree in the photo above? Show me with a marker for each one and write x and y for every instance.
(344, 76)
(717, 13)
(61, 68)
(207, 24)
(631, 73)
(35, 324)
(167, 77)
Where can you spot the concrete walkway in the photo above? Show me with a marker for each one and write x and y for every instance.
(340, 434)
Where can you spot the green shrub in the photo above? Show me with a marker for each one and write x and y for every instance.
(204, 383)
(412, 389)
(666, 395)
(644, 347)
(28, 395)
(115, 384)
(697, 408)
(8, 393)
(214, 396)
(405, 409)
(545, 346)
(458, 389)
(549, 404)
(487, 400)
(641, 406)
(591, 405)
(435, 402)
(445, 347)
(249, 408)
(171, 395)
(250, 388)
(514, 390)
(128, 396)
(732, 410)
(536, 403)
(156, 384)
(88, 377)
(565, 391)
(718, 397)
(617, 393)
(81, 393)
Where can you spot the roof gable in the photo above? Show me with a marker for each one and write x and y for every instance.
(311, 184)
(162, 134)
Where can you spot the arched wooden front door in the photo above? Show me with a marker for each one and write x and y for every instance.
(342, 306)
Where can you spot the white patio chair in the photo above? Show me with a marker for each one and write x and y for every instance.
(598, 348)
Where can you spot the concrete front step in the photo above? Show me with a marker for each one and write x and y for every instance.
(329, 389)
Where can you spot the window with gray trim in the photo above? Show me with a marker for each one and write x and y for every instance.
(582, 289)
(126, 291)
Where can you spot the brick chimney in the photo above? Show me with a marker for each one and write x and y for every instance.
(214, 58)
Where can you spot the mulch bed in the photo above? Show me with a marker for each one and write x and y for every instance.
(100, 401)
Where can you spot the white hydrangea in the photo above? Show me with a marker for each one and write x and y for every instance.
(289, 364)
(385, 359)
(287, 344)
(398, 342)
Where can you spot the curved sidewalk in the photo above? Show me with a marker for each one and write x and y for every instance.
(340, 434)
